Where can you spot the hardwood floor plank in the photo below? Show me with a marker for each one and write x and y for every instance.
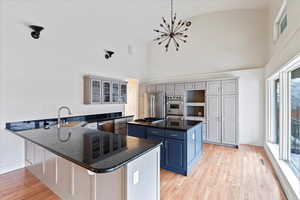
(223, 173)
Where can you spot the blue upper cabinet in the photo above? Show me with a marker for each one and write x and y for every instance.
(181, 149)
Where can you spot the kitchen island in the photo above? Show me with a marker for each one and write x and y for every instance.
(80, 163)
(182, 141)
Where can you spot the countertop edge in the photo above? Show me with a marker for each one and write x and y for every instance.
(92, 169)
(167, 128)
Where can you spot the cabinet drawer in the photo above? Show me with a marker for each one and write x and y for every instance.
(175, 134)
(156, 131)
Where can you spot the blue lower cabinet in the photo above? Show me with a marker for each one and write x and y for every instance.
(137, 131)
(175, 155)
(180, 151)
(162, 148)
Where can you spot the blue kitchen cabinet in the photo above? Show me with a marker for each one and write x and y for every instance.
(137, 131)
(181, 149)
(175, 155)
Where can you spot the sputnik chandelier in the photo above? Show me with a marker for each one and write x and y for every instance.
(174, 32)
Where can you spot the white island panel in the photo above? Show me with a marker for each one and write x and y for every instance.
(72, 182)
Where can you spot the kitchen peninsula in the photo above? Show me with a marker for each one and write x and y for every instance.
(81, 163)
(182, 141)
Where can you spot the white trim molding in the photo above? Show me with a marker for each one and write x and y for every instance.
(287, 179)
(280, 154)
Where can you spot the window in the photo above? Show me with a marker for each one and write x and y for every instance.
(284, 113)
(281, 22)
(295, 119)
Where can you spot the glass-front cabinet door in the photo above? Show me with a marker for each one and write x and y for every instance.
(115, 92)
(96, 91)
(123, 93)
(106, 92)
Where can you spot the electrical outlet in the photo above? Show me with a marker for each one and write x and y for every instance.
(136, 177)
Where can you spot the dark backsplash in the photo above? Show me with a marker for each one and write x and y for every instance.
(42, 123)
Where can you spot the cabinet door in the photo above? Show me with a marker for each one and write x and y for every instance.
(50, 168)
(170, 90)
(229, 87)
(189, 86)
(115, 92)
(38, 164)
(29, 153)
(123, 93)
(96, 91)
(64, 176)
(106, 92)
(179, 89)
(214, 119)
(162, 148)
(214, 88)
(174, 153)
(229, 119)
(80, 190)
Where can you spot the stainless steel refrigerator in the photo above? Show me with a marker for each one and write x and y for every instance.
(157, 104)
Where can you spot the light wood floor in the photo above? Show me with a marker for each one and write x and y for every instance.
(223, 173)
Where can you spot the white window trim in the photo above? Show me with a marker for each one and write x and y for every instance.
(279, 157)
(271, 109)
(276, 26)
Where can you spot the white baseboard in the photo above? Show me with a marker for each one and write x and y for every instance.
(287, 179)
(8, 168)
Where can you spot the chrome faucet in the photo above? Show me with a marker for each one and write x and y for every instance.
(59, 112)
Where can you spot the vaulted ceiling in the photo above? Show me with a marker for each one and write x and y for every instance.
(132, 19)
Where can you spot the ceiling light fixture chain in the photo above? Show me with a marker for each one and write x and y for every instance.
(172, 32)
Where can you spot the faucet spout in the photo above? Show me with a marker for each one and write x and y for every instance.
(59, 114)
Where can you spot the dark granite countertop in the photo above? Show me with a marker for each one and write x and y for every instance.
(94, 150)
(182, 125)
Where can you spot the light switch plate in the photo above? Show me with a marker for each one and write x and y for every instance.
(136, 177)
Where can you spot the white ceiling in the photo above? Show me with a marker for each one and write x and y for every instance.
(133, 18)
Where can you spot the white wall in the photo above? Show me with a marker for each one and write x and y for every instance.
(251, 106)
(217, 42)
(38, 76)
